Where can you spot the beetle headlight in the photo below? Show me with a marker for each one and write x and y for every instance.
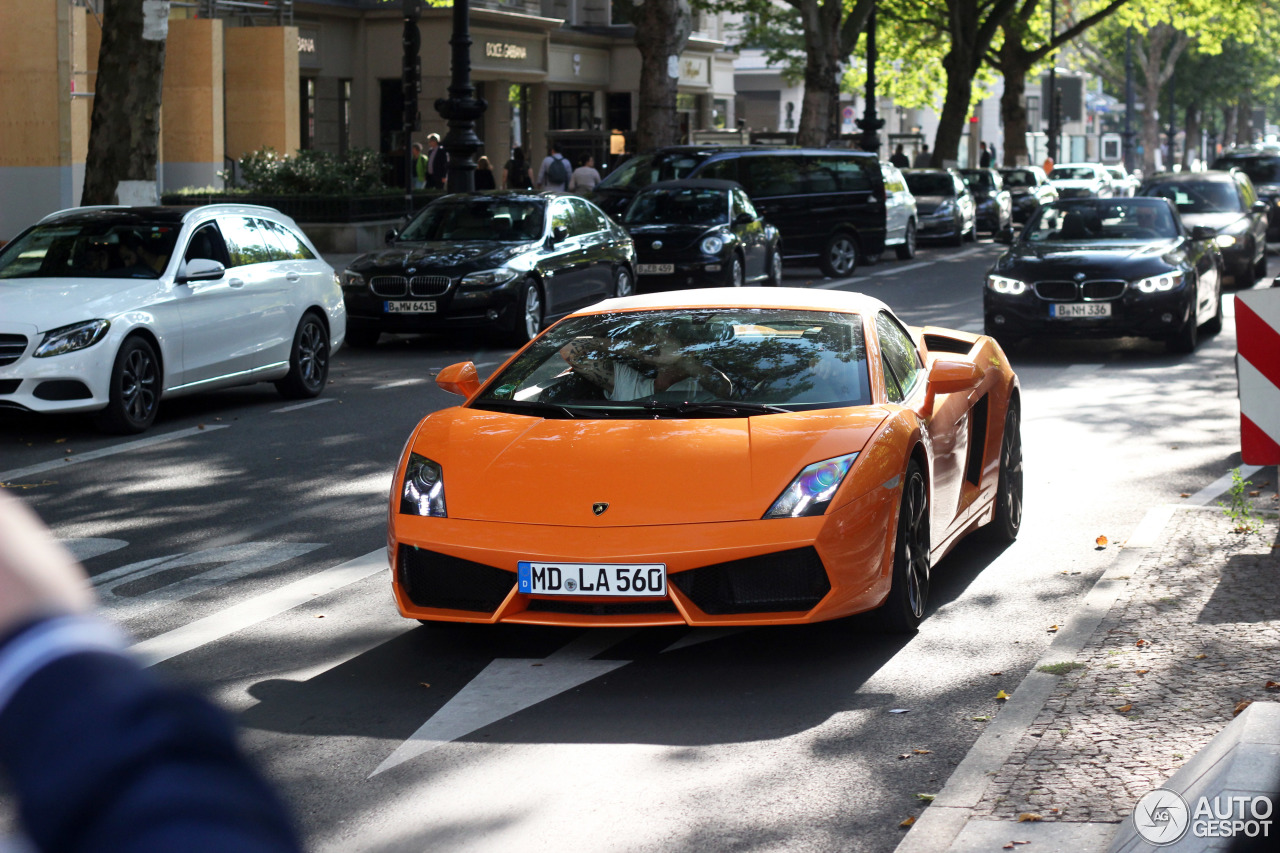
(713, 244)
(813, 488)
(1158, 283)
(77, 336)
(1007, 286)
(422, 492)
(490, 278)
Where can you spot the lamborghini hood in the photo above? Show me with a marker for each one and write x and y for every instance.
(518, 469)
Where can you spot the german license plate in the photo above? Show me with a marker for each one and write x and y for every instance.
(1080, 309)
(655, 269)
(423, 306)
(627, 579)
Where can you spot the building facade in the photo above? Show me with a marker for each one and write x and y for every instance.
(326, 74)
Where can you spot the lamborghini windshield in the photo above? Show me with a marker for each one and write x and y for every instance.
(687, 363)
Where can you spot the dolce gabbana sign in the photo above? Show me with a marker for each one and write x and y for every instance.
(504, 50)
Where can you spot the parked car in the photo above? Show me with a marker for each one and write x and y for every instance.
(840, 456)
(1081, 180)
(1030, 189)
(1262, 165)
(506, 260)
(992, 202)
(829, 205)
(901, 220)
(110, 309)
(1107, 268)
(701, 232)
(944, 204)
(1227, 203)
(1124, 184)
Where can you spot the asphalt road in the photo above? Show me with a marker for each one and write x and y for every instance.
(241, 542)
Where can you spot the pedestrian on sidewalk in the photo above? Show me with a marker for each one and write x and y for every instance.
(554, 174)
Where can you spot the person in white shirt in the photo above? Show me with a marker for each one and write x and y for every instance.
(611, 367)
(585, 177)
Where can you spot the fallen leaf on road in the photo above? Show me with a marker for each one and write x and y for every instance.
(1142, 671)
(1201, 657)
(319, 615)
(904, 755)
(1001, 696)
(922, 751)
(1254, 494)
(928, 798)
(1140, 643)
(1029, 816)
(1124, 709)
(1185, 495)
(1271, 685)
(59, 441)
(1240, 708)
(981, 719)
(199, 426)
(1102, 541)
(424, 684)
(908, 822)
(1053, 629)
(997, 673)
(1055, 810)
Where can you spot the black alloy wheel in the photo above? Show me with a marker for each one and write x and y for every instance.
(907, 250)
(909, 591)
(737, 278)
(623, 283)
(839, 256)
(134, 391)
(308, 361)
(775, 268)
(1007, 520)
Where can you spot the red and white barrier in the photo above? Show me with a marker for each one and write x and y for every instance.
(1258, 369)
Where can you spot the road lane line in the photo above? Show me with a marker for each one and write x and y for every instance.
(258, 609)
(908, 268)
(1220, 485)
(138, 444)
(297, 406)
(839, 282)
(399, 383)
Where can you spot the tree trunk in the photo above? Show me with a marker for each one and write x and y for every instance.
(1228, 126)
(1244, 121)
(1150, 124)
(1191, 150)
(662, 31)
(124, 133)
(819, 122)
(955, 109)
(1013, 113)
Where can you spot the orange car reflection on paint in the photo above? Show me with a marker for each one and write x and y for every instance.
(710, 457)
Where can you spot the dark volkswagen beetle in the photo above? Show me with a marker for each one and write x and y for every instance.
(701, 232)
(509, 260)
(1107, 268)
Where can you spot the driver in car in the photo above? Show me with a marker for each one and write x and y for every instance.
(669, 369)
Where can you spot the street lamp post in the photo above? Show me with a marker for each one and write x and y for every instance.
(411, 88)
(1053, 85)
(870, 122)
(1128, 100)
(462, 107)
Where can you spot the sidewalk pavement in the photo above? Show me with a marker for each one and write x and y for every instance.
(1182, 628)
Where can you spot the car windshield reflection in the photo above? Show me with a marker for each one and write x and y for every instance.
(1103, 220)
(687, 364)
(679, 206)
(930, 184)
(498, 220)
(1200, 197)
(1076, 173)
(90, 250)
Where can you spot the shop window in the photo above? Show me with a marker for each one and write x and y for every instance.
(618, 107)
(571, 110)
(621, 12)
(307, 125)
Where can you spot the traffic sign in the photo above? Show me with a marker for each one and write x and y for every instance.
(1258, 369)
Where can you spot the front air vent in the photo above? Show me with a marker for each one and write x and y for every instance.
(431, 579)
(11, 348)
(612, 608)
(770, 583)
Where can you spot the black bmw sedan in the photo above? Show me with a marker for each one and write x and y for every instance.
(505, 260)
(1107, 268)
(701, 233)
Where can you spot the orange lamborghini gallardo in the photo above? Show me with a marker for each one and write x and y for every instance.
(751, 456)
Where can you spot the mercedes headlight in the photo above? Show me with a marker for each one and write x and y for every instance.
(77, 336)
(713, 244)
(490, 278)
(1159, 283)
(1224, 241)
(1007, 286)
(423, 490)
(813, 488)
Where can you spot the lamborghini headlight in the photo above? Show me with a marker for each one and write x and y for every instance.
(77, 336)
(813, 488)
(1158, 283)
(1007, 286)
(423, 490)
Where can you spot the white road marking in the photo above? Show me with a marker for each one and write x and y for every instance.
(399, 383)
(839, 282)
(699, 636)
(507, 686)
(1081, 369)
(221, 566)
(908, 268)
(305, 405)
(1220, 485)
(258, 609)
(138, 444)
(88, 548)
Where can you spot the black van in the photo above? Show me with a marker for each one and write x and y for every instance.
(829, 204)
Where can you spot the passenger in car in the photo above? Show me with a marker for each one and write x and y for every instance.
(634, 370)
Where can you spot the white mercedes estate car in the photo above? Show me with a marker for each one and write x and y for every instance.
(109, 309)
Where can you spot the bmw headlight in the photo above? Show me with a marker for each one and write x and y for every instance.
(77, 336)
(1007, 286)
(813, 488)
(423, 490)
(713, 244)
(353, 280)
(490, 278)
(1158, 283)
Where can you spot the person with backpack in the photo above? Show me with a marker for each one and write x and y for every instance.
(518, 174)
(555, 171)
